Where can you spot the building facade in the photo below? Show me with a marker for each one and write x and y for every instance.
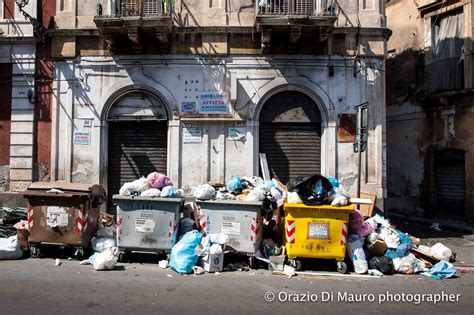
(197, 89)
(25, 87)
(430, 108)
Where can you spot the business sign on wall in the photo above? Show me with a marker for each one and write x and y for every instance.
(188, 107)
(192, 135)
(213, 103)
(80, 137)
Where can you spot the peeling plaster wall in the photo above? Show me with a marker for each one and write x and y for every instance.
(83, 87)
(419, 125)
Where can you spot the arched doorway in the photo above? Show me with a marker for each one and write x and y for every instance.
(290, 135)
(137, 139)
(449, 170)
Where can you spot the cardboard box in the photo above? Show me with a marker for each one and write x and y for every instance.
(213, 262)
(22, 236)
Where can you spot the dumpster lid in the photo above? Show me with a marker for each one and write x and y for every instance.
(118, 197)
(294, 206)
(235, 202)
(69, 189)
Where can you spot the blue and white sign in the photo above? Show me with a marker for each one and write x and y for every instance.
(82, 138)
(188, 107)
(213, 103)
(192, 135)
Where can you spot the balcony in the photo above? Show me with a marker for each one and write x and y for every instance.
(294, 17)
(133, 19)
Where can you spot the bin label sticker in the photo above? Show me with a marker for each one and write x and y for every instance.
(57, 217)
(143, 225)
(230, 228)
(319, 230)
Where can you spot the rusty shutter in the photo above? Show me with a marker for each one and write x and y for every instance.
(292, 149)
(450, 182)
(135, 149)
(290, 135)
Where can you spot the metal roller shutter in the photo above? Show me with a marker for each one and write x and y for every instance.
(135, 149)
(292, 149)
(450, 182)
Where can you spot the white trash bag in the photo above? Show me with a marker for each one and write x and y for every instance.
(408, 264)
(101, 244)
(10, 248)
(204, 192)
(293, 197)
(356, 254)
(152, 193)
(441, 252)
(105, 260)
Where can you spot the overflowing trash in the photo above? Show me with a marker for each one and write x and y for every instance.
(154, 185)
(265, 221)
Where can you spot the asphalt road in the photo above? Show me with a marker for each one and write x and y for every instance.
(37, 286)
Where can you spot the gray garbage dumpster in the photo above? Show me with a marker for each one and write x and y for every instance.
(240, 220)
(147, 225)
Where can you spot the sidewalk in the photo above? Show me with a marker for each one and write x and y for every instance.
(461, 243)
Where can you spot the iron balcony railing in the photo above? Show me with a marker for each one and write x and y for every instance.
(119, 8)
(297, 7)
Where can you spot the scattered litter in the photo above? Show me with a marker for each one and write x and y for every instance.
(55, 191)
(85, 262)
(57, 262)
(374, 272)
(169, 276)
(289, 271)
(105, 260)
(163, 264)
(197, 270)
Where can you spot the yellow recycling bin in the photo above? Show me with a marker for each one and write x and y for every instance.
(316, 232)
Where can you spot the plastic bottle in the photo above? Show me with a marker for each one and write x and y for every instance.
(375, 272)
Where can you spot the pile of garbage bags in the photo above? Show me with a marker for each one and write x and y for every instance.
(12, 223)
(317, 190)
(246, 188)
(106, 253)
(376, 246)
(154, 185)
(195, 253)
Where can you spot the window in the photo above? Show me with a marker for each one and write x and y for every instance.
(444, 67)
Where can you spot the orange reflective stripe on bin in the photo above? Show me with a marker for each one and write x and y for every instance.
(290, 231)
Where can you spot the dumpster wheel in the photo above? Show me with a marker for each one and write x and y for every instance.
(296, 263)
(35, 251)
(341, 267)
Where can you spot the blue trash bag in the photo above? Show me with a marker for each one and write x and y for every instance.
(334, 182)
(403, 249)
(443, 269)
(269, 184)
(234, 184)
(183, 254)
(169, 192)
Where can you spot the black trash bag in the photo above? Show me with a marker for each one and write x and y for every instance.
(313, 190)
(382, 264)
(269, 203)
